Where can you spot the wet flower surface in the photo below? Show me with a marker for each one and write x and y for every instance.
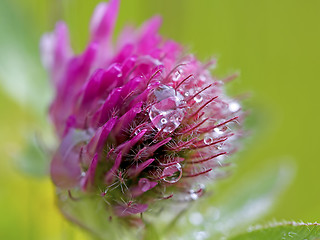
(139, 121)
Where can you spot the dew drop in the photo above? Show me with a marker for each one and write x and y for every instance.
(218, 131)
(208, 140)
(83, 174)
(172, 174)
(177, 75)
(119, 74)
(198, 98)
(164, 121)
(166, 114)
(234, 106)
(163, 92)
(194, 196)
(186, 93)
(196, 192)
(202, 78)
(219, 146)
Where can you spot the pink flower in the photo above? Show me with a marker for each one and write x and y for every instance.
(139, 121)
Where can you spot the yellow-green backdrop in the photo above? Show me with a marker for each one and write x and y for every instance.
(274, 45)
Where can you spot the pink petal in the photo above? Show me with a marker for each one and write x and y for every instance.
(127, 210)
(126, 120)
(144, 185)
(55, 50)
(105, 111)
(89, 179)
(134, 171)
(103, 20)
(126, 146)
(111, 173)
(149, 37)
(149, 150)
(65, 167)
(98, 140)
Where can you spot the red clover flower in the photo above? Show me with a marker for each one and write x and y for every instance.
(139, 121)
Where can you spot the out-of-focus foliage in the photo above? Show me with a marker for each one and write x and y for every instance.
(235, 210)
(310, 231)
(274, 45)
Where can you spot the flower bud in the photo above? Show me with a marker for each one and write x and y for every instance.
(139, 122)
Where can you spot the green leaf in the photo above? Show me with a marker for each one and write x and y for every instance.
(288, 230)
(21, 73)
(34, 159)
(92, 214)
(234, 210)
(151, 232)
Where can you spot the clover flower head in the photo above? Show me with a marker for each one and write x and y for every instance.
(139, 121)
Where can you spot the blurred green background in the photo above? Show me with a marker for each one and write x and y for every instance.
(274, 45)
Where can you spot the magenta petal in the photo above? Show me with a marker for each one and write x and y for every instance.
(89, 179)
(126, 119)
(111, 79)
(78, 70)
(126, 51)
(149, 37)
(147, 151)
(134, 171)
(98, 140)
(126, 146)
(154, 147)
(91, 89)
(128, 64)
(65, 167)
(134, 85)
(111, 173)
(105, 111)
(130, 209)
(76, 73)
(103, 20)
(55, 50)
(146, 185)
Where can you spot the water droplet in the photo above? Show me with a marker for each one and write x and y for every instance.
(219, 146)
(163, 92)
(164, 121)
(196, 218)
(218, 131)
(198, 98)
(234, 106)
(202, 78)
(172, 174)
(119, 74)
(208, 140)
(196, 191)
(83, 174)
(187, 94)
(194, 196)
(177, 75)
(166, 114)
